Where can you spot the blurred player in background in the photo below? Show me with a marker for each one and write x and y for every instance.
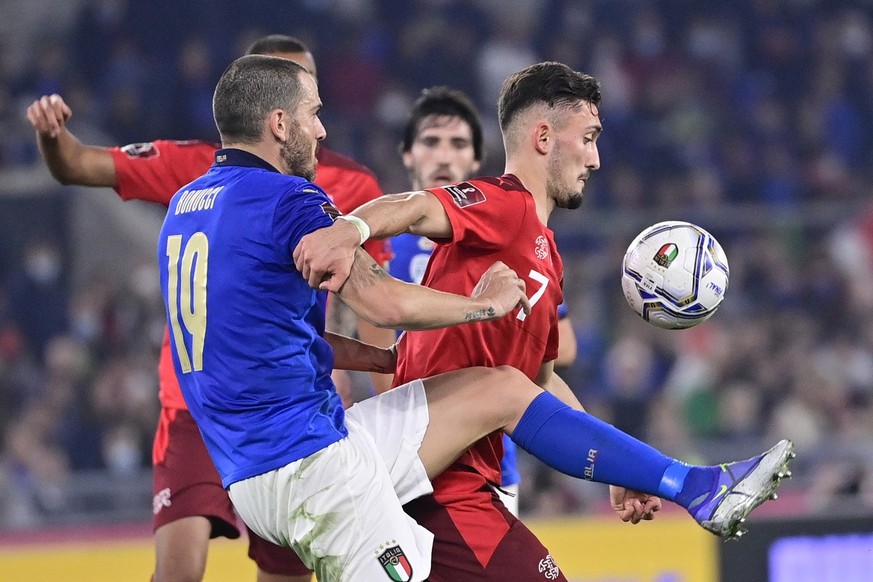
(190, 505)
(442, 145)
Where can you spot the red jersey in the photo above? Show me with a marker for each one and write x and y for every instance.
(493, 219)
(154, 171)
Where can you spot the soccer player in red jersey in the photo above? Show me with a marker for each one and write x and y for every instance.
(190, 505)
(550, 119)
(549, 159)
(442, 145)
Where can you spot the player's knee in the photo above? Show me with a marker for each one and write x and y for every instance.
(513, 390)
(509, 374)
(512, 381)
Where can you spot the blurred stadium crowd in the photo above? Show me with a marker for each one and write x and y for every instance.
(752, 118)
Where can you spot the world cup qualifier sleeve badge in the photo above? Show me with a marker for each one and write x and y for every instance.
(394, 561)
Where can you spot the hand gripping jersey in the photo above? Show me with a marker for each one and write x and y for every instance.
(246, 330)
(154, 171)
(492, 219)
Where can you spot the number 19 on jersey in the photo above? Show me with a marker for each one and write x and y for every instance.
(188, 266)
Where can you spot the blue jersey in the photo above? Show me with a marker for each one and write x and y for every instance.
(509, 474)
(411, 254)
(246, 329)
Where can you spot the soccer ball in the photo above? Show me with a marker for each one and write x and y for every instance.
(674, 275)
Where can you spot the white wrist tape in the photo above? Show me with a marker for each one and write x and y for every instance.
(357, 222)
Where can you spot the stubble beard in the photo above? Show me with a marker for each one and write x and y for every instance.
(563, 196)
(297, 155)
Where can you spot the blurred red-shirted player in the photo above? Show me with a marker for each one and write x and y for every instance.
(190, 505)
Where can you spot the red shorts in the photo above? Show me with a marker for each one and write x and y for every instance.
(476, 539)
(186, 484)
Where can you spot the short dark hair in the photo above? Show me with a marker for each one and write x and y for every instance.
(251, 87)
(551, 83)
(443, 101)
(277, 43)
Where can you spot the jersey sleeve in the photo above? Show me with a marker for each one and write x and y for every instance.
(551, 352)
(154, 171)
(355, 188)
(483, 217)
(380, 250)
(366, 188)
(298, 212)
(369, 189)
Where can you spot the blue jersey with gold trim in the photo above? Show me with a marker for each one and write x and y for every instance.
(245, 327)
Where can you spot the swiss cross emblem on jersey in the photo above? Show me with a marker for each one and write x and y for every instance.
(542, 248)
(549, 568)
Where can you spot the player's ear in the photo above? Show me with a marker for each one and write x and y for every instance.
(543, 138)
(279, 124)
(407, 161)
(475, 167)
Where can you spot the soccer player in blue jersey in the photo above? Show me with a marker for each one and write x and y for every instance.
(253, 361)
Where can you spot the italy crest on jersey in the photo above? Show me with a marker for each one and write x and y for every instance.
(394, 561)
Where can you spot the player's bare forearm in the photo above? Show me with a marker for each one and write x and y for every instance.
(68, 160)
(562, 392)
(567, 346)
(390, 303)
(324, 256)
(384, 338)
(71, 162)
(352, 354)
(419, 213)
(548, 380)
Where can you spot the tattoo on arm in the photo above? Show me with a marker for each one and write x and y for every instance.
(378, 272)
(366, 272)
(480, 314)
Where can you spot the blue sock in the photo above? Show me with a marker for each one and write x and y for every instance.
(583, 446)
(697, 486)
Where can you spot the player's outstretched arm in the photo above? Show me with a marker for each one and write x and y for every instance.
(326, 255)
(567, 346)
(420, 213)
(352, 354)
(381, 337)
(388, 302)
(69, 160)
(547, 379)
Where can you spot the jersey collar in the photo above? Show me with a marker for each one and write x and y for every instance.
(513, 179)
(235, 157)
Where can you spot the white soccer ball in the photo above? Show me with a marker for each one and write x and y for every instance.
(674, 275)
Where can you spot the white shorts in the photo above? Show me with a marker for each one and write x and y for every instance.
(340, 509)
